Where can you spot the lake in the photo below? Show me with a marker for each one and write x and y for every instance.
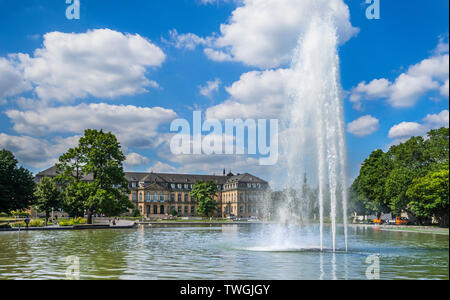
(227, 252)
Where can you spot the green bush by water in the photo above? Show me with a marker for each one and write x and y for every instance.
(73, 222)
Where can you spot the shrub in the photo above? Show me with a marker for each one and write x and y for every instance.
(36, 223)
(19, 224)
(19, 214)
(65, 223)
(79, 221)
(72, 222)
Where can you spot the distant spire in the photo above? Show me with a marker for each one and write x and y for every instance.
(224, 171)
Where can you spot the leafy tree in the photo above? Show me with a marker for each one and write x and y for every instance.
(75, 196)
(372, 180)
(16, 184)
(437, 148)
(357, 202)
(409, 177)
(397, 184)
(205, 192)
(136, 213)
(429, 196)
(98, 160)
(48, 197)
(173, 213)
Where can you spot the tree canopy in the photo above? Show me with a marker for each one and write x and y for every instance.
(16, 184)
(409, 177)
(48, 197)
(205, 193)
(93, 175)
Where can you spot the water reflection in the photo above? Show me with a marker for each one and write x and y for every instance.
(220, 252)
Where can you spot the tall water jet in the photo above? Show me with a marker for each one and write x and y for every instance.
(314, 136)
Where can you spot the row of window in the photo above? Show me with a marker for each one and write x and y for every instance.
(249, 185)
(179, 209)
(233, 210)
(155, 197)
(190, 186)
(232, 197)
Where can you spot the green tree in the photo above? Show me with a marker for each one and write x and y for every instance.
(372, 181)
(205, 192)
(397, 184)
(16, 184)
(357, 202)
(48, 197)
(403, 178)
(173, 213)
(98, 161)
(437, 148)
(429, 196)
(75, 195)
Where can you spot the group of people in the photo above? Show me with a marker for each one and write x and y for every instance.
(114, 221)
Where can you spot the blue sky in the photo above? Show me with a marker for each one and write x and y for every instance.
(393, 73)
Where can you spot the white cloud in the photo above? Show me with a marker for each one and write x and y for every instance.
(188, 41)
(11, 79)
(429, 75)
(364, 126)
(445, 89)
(437, 120)
(135, 159)
(218, 56)
(406, 130)
(134, 126)
(264, 33)
(160, 167)
(257, 94)
(210, 88)
(101, 63)
(403, 131)
(35, 152)
(217, 2)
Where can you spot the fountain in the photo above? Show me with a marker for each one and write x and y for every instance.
(314, 137)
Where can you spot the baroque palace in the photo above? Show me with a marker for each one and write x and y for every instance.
(157, 194)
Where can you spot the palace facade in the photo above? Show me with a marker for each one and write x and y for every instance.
(157, 194)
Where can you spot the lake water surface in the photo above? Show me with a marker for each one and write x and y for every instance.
(225, 252)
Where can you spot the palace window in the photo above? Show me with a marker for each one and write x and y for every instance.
(180, 186)
(172, 197)
(155, 197)
(192, 210)
(179, 198)
(148, 197)
(134, 197)
(161, 209)
(179, 210)
(186, 198)
(173, 185)
(162, 198)
(186, 186)
(186, 208)
(155, 209)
